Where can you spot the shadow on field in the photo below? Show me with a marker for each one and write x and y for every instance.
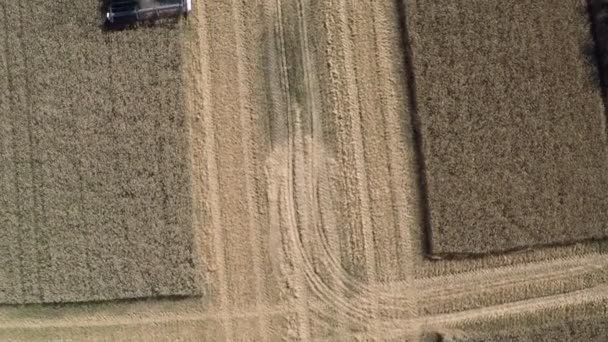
(595, 50)
(49, 308)
(414, 126)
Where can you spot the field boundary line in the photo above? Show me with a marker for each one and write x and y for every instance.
(138, 319)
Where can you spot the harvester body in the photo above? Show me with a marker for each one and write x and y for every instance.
(130, 11)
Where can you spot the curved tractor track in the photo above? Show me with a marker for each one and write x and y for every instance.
(303, 196)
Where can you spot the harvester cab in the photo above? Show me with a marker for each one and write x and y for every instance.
(124, 12)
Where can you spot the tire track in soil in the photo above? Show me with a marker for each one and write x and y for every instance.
(353, 127)
(205, 151)
(445, 287)
(285, 172)
(387, 296)
(296, 186)
(142, 319)
(359, 194)
(593, 295)
(246, 143)
(506, 277)
(335, 262)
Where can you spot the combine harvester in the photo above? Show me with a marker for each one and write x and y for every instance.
(125, 12)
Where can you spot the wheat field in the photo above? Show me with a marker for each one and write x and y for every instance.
(295, 146)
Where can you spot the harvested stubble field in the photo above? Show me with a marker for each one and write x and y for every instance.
(276, 164)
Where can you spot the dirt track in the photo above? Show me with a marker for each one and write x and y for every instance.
(308, 212)
(306, 197)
